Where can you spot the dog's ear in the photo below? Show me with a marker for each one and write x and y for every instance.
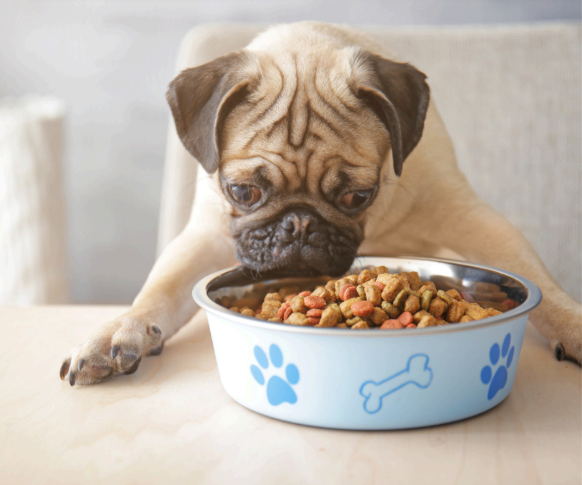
(200, 99)
(399, 95)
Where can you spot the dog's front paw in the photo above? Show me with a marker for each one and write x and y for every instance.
(115, 349)
(568, 345)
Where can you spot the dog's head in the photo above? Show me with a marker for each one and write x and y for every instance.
(300, 139)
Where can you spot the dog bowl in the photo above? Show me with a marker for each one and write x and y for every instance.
(369, 379)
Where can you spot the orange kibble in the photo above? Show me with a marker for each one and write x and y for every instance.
(304, 293)
(313, 320)
(362, 308)
(288, 313)
(380, 285)
(347, 292)
(391, 325)
(282, 310)
(314, 302)
(412, 325)
(288, 297)
(405, 319)
(315, 313)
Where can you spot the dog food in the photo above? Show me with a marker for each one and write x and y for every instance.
(373, 299)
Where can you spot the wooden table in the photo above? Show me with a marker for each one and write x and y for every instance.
(172, 422)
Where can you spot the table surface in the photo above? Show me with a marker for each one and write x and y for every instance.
(173, 421)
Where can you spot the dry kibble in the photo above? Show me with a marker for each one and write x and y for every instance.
(346, 307)
(297, 304)
(347, 292)
(314, 302)
(373, 294)
(455, 312)
(426, 298)
(274, 297)
(390, 309)
(329, 318)
(392, 288)
(297, 319)
(437, 307)
(378, 316)
(373, 298)
(362, 308)
(412, 304)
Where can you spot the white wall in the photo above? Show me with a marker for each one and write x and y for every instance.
(111, 63)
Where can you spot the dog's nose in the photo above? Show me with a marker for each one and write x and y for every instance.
(300, 223)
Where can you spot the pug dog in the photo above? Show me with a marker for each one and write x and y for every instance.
(317, 145)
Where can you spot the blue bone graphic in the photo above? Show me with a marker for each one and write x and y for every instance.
(417, 372)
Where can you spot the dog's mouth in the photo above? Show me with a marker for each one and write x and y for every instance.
(299, 243)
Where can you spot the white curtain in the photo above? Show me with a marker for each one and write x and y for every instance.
(33, 263)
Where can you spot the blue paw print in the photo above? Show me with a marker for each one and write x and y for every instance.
(278, 390)
(500, 378)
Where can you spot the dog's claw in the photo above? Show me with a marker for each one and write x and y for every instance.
(155, 350)
(133, 368)
(65, 368)
(115, 351)
(560, 352)
(80, 365)
(72, 378)
(156, 329)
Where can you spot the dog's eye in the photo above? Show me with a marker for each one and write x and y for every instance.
(356, 199)
(245, 194)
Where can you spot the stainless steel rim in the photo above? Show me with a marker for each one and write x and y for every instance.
(534, 298)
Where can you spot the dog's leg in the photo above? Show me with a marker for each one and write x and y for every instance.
(163, 305)
(478, 233)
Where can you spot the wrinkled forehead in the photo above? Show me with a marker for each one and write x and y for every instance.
(301, 123)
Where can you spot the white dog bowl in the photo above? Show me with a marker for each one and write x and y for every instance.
(369, 379)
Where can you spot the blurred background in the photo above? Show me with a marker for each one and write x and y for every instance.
(110, 63)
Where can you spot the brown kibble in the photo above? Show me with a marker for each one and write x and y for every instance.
(437, 307)
(361, 292)
(297, 319)
(404, 280)
(329, 317)
(373, 295)
(235, 309)
(426, 299)
(290, 297)
(378, 270)
(347, 292)
(362, 308)
(427, 321)
(314, 302)
(413, 279)
(390, 309)
(364, 276)
(378, 316)
(274, 297)
(418, 316)
(353, 321)
(270, 308)
(448, 299)
(465, 319)
(401, 298)
(323, 293)
(392, 288)
(360, 326)
(454, 294)
(276, 320)
(476, 312)
(346, 307)
(297, 303)
(492, 312)
(384, 278)
(247, 312)
(380, 285)
(412, 304)
(341, 325)
(455, 312)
